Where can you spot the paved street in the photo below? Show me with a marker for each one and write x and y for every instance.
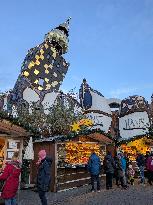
(133, 196)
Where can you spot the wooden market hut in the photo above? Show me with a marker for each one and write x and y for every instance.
(65, 176)
(11, 140)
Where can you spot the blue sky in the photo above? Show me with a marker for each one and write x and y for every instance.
(111, 42)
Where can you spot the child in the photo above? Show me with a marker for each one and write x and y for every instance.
(131, 174)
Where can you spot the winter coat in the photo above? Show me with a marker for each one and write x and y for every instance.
(150, 164)
(146, 159)
(94, 164)
(118, 168)
(127, 161)
(109, 164)
(11, 176)
(140, 160)
(123, 163)
(44, 175)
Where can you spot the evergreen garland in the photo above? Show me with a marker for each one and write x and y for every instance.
(19, 122)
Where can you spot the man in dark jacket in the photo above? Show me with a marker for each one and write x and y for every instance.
(94, 169)
(44, 175)
(109, 165)
(141, 164)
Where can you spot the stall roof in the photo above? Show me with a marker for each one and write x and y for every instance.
(96, 136)
(51, 139)
(9, 129)
(100, 137)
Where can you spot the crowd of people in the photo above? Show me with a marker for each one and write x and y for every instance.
(118, 167)
(122, 169)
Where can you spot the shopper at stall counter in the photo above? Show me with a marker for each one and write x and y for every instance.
(109, 168)
(11, 176)
(94, 166)
(43, 176)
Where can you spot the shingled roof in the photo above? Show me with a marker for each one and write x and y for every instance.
(9, 129)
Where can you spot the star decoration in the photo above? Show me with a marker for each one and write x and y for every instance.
(75, 127)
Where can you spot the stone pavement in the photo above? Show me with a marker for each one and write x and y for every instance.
(134, 195)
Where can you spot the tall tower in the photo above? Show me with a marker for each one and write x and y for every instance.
(43, 68)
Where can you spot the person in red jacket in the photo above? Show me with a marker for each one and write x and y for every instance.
(150, 168)
(11, 176)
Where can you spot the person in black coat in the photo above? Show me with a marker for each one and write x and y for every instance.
(109, 168)
(43, 176)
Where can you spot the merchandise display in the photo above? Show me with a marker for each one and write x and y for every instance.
(141, 145)
(78, 153)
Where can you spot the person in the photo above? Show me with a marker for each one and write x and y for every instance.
(147, 173)
(131, 173)
(119, 172)
(141, 163)
(109, 166)
(94, 166)
(124, 168)
(10, 175)
(126, 156)
(149, 167)
(44, 175)
(147, 156)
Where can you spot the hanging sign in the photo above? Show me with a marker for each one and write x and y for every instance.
(134, 124)
(100, 121)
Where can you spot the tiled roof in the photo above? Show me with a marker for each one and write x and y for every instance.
(100, 137)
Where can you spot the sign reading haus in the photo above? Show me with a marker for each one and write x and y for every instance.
(134, 119)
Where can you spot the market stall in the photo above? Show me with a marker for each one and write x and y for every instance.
(70, 157)
(142, 145)
(134, 124)
(11, 140)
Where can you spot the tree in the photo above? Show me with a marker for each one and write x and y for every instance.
(61, 115)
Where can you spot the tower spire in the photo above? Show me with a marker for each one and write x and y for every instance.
(65, 26)
(59, 36)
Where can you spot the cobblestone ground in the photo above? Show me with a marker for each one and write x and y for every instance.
(134, 195)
